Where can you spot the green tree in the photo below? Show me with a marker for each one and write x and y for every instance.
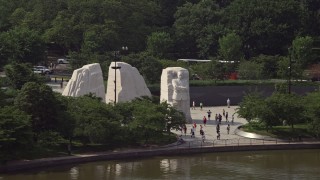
(302, 51)
(159, 44)
(250, 70)
(148, 119)
(267, 26)
(15, 133)
(250, 106)
(174, 119)
(230, 47)
(19, 74)
(312, 105)
(285, 107)
(21, 45)
(149, 67)
(269, 65)
(96, 122)
(38, 100)
(197, 28)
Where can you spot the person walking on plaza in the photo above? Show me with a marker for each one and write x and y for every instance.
(193, 105)
(209, 114)
(216, 117)
(218, 135)
(227, 117)
(218, 128)
(232, 119)
(228, 102)
(228, 128)
(192, 132)
(220, 118)
(223, 112)
(203, 137)
(201, 105)
(204, 120)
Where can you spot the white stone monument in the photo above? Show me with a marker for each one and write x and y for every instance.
(175, 89)
(85, 80)
(130, 84)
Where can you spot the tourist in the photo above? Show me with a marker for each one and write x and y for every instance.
(192, 132)
(220, 118)
(232, 119)
(201, 132)
(201, 105)
(223, 112)
(209, 114)
(193, 105)
(218, 135)
(218, 128)
(203, 137)
(195, 125)
(204, 120)
(216, 117)
(228, 102)
(227, 117)
(228, 128)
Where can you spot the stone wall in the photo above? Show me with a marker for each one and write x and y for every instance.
(218, 95)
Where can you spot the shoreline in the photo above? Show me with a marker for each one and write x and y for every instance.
(21, 166)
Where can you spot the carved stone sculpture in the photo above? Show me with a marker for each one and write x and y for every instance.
(85, 80)
(130, 84)
(175, 89)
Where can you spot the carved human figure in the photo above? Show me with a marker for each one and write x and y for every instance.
(180, 95)
(171, 75)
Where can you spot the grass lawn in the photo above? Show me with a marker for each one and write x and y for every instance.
(281, 132)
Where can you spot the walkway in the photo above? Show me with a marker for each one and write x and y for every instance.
(210, 128)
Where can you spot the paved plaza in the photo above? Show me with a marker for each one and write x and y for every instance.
(210, 127)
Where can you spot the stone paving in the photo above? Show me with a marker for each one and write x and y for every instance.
(210, 127)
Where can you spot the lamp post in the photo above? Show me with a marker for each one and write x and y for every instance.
(290, 63)
(115, 67)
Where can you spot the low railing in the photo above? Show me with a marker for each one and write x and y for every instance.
(237, 142)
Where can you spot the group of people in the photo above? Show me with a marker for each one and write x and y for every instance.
(218, 118)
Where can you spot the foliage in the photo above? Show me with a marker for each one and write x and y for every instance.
(38, 100)
(302, 51)
(269, 65)
(230, 47)
(249, 106)
(21, 45)
(196, 29)
(95, 121)
(174, 119)
(273, 110)
(149, 67)
(266, 26)
(159, 44)
(249, 70)
(311, 102)
(19, 74)
(15, 133)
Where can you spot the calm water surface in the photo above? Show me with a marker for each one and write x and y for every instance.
(295, 164)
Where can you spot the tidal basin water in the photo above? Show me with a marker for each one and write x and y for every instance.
(293, 164)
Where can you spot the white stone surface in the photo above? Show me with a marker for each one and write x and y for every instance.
(130, 84)
(175, 89)
(85, 80)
